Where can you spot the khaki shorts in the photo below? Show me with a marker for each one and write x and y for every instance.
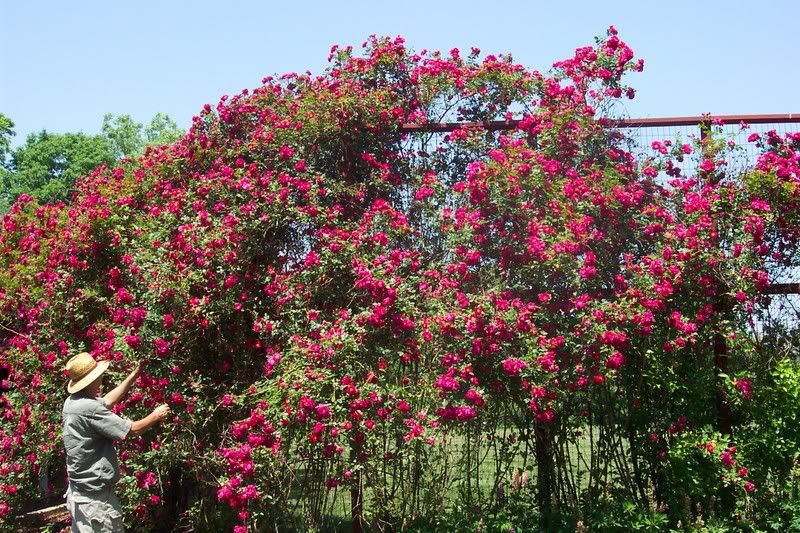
(96, 513)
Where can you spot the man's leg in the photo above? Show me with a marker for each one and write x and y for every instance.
(102, 515)
(81, 521)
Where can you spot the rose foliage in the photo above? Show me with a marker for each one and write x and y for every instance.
(333, 303)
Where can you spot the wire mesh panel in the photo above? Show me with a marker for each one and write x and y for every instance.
(740, 136)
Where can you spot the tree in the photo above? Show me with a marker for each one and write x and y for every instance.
(161, 130)
(48, 164)
(6, 132)
(129, 138)
(123, 135)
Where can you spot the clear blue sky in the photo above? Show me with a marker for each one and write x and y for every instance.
(65, 64)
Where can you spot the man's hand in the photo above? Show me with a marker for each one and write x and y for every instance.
(118, 393)
(161, 412)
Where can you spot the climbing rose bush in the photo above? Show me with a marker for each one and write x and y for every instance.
(327, 298)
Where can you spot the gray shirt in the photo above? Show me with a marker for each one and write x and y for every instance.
(89, 431)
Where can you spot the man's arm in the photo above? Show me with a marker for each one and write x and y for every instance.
(118, 393)
(140, 426)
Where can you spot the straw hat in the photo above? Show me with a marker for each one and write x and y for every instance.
(83, 370)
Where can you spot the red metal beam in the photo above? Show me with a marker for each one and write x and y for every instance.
(782, 288)
(501, 125)
(444, 127)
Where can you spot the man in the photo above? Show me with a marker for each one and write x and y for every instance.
(90, 428)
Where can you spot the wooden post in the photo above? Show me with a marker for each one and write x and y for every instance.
(356, 493)
(721, 305)
(545, 468)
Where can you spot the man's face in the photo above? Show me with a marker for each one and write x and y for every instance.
(96, 387)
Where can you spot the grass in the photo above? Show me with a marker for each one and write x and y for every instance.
(462, 466)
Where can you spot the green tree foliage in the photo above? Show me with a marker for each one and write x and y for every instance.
(123, 134)
(6, 132)
(129, 138)
(47, 165)
(161, 130)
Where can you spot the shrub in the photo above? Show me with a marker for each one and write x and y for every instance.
(332, 303)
